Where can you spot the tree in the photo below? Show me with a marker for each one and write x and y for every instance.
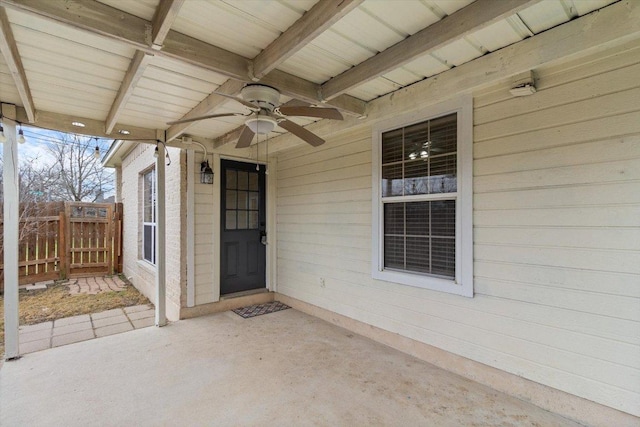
(75, 175)
(65, 169)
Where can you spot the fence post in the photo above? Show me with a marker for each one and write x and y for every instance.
(67, 239)
(118, 238)
(62, 245)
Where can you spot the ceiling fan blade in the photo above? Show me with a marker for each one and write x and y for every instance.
(245, 138)
(302, 133)
(208, 116)
(251, 105)
(308, 111)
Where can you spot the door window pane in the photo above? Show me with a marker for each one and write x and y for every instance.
(230, 220)
(243, 180)
(253, 220)
(253, 181)
(253, 200)
(232, 179)
(242, 220)
(231, 200)
(242, 199)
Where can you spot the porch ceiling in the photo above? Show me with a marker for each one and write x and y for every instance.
(123, 65)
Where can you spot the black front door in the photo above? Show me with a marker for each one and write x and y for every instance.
(243, 219)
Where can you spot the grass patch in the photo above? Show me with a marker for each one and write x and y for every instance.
(55, 302)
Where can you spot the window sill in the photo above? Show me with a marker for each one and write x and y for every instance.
(146, 265)
(424, 282)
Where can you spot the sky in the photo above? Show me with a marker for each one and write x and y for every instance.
(37, 140)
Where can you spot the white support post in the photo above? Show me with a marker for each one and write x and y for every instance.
(11, 224)
(191, 263)
(161, 291)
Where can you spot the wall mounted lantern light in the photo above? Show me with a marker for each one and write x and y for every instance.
(206, 173)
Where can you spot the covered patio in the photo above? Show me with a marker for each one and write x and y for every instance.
(284, 368)
(456, 179)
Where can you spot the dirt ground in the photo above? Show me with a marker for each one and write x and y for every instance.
(55, 302)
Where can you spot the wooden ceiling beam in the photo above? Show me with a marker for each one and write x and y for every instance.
(98, 18)
(231, 136)
(479, 14)
(63, 123)
(134, 73)
(11, 55)
(319, 18)
(206, 106)
(163, 19)
(296, 87)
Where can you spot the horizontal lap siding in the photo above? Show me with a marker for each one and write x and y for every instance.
(556, 235)
(557, 219)
(203, 263)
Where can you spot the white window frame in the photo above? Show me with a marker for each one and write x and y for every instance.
(463, 281)
(152, 224)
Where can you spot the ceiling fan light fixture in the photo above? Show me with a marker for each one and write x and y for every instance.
(264, 96)
(261, 125)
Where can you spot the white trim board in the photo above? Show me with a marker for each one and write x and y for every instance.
(463, 283)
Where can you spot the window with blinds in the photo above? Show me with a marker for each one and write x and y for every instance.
(149, 216)
(418, 189)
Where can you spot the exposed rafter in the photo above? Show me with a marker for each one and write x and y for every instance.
(166, 13)
(477, 15)
(134, 73)
(12, 58)
(207, 105)
(115, 24)
(231, 136)
(62, 123)
(320, 17)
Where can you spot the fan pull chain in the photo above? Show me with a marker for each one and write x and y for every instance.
(266, 172)
(258, 153)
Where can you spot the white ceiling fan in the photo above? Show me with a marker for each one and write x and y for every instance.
(266, 113)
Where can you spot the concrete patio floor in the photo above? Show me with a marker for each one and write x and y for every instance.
(284, 368)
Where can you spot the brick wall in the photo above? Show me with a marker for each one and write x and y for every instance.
(140, 272)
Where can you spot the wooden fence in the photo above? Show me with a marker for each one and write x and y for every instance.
(61, 240)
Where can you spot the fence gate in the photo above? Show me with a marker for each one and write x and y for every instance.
(59, 240)
(91, 238)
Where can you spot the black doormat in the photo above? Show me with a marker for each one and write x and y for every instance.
(260, 309)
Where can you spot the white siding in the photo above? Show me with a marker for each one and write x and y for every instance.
(204, 206)
(556, 235)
